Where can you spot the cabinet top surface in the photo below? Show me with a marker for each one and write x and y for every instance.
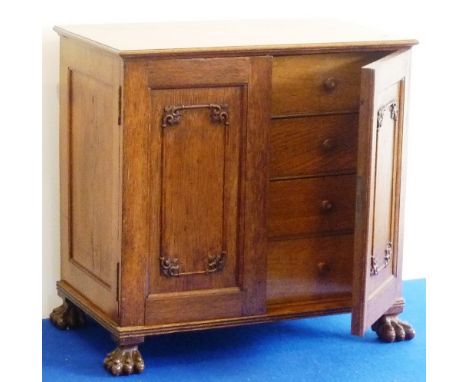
(267, 35)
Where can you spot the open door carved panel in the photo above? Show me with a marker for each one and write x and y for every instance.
(93, 203)
(384, 206)
(380, 179)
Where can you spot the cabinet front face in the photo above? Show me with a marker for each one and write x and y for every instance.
(206, 178)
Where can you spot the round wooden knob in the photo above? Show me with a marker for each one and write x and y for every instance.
(329, 144)
(326, 205)
(323, 267)
(330, 84)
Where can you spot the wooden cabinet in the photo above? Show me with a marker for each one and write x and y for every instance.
(211, 184)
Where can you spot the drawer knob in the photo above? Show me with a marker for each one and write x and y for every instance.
(326, 205)
(330, 84)
(323, 268)
(329, 144)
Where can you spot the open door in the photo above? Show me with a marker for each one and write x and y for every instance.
(380, 179)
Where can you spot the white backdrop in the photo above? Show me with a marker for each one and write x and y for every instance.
(436, 201)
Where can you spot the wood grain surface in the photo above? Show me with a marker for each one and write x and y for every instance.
(317, 145)
(307, 206)
(318, 83)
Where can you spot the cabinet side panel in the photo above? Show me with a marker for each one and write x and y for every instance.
(93, 179)
(90, 173)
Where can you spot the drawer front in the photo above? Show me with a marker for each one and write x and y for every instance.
(301, 207)
(318, 83)
(313, 145)
(308, 269)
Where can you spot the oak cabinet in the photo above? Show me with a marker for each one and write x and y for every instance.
(212, 184)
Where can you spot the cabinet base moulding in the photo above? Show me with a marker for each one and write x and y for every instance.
(275, 312)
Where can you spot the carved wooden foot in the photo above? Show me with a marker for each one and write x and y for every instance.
(124, 360)
(67, 316)
(389, 329)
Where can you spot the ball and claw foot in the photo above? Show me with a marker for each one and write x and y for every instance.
(67, 316)
(390, 329)
(124, 360)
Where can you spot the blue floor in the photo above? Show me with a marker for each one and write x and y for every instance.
(313, 349)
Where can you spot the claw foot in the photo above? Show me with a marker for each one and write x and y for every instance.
(67, 316)
(389, 329)
(124, 360)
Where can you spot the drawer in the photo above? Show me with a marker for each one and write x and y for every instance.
(313, 145)
(309, 269)
(318, 83)
(302, 207)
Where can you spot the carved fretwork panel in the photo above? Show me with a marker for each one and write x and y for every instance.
(173, 113)
(384, 199)
(195, 168)
(385, 182)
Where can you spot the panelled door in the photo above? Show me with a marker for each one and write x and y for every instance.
(380, 179)
(207, 163)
